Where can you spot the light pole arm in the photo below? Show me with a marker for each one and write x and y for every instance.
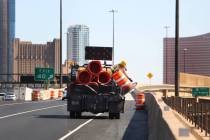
(113, 33)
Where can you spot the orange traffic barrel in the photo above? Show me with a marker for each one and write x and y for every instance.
(36, 95)
(122, 81)
(104, 77)
(140, 101)
(95, 67)
(84, 77)
(60, 93)
(52, 94)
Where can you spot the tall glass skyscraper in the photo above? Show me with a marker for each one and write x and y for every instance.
(7, 34)
(77, 39)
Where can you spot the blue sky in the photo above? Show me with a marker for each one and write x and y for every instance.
(139, 27)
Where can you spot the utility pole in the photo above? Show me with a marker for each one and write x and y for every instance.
(61, 44)
(166, 54)
(113, 36)
(177, 49)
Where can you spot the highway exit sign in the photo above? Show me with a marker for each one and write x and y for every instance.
(44, 74)
(200, 91)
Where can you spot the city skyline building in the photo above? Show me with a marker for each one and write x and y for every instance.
(194, 56)
(7, 34)
(77, 39)
(28, 56)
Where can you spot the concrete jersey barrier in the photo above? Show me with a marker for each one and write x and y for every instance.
(162, 123)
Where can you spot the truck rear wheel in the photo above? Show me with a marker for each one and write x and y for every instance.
(114, 115)
(78, 114)
(74, 114)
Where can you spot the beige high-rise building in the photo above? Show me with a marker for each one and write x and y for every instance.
(28, 56)
(77, 40)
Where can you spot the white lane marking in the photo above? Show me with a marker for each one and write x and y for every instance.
(76, 129)
(25, 112)
(12, 104)
(26, 103)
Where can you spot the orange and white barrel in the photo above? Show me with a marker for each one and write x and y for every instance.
(36, 95)
(60, 93)
(122, 81)
(140, 101)
(94, 67)
(84, 76)
(52, 94)
(104, 77)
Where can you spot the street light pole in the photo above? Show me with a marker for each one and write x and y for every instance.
(177, 49)
(61, 44)
(113, 37)
(166, 54)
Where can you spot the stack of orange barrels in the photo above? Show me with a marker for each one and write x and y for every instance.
(93, 74)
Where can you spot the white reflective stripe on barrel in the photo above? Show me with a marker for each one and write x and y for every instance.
(141, 99)
(122, 77)
(127, 83)
(139, 104)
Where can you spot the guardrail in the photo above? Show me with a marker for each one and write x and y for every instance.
(163, 88)
(198, 113)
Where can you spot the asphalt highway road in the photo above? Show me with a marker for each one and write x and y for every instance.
(49, 120)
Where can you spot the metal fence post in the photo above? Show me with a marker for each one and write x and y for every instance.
(205, 119)
(208, 119)
(202, 117)
(195, 119)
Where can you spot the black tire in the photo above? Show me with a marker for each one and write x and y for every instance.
(75, 115)
(114, 115)
(111, 116)
(78, 114)
(72, 114)
(117, 115)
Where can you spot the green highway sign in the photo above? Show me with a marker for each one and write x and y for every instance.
(44, 74)
(200, 91)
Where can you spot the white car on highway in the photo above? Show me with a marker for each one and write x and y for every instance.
(64, 95)
(9, 96)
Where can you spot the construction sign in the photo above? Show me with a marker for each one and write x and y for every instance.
(150, 75)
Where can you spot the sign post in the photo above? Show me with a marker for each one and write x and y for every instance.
(150, 75)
